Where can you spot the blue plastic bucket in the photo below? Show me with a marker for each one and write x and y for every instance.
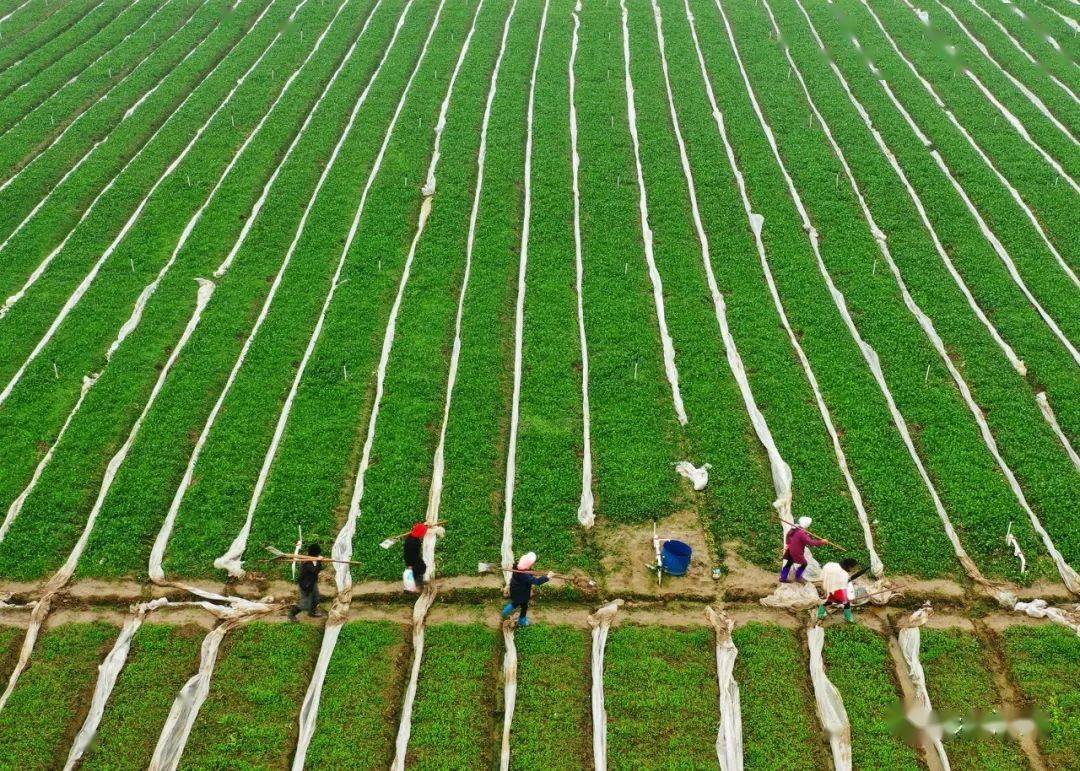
(675, 557)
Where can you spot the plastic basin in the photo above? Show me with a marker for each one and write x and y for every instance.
(675, 557)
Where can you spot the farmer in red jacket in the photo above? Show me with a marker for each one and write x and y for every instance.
(796, 543)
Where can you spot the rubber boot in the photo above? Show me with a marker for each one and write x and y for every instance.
(524, 622)
(821, 612)
(849, 616)
(784, 574)
(799, 574)
(507, 609)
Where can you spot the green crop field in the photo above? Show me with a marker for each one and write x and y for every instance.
(572, 277)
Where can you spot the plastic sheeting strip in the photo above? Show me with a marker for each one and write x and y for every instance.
(148, 291)
(600, 621)
(1072, 23)
(165, 533)
(55, 140)
(74, 78)
(1017, 126)
(909, 639)
(231, 560)
(108, 672)
(519, 318)
(586, 508)
(830, 705)
(10, 301)
(64, 573)
(781, 482)
(1051, 418)
(510, 670)
(342, 548)
(987, 233)
(781, 471)
(668, 346)
(1020, 47)
(84, 285)
(869, 355)
(943, 254)
(1068, 575)
(1043, 609)
(729, 744)
(1035, 101)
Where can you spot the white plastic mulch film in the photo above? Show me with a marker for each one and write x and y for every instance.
(1068, 575)
(729, 745)
(586, 513)
(509, 673)
(830, 706)
(1051, 419)
(600, 621)
(1043, 609)
(507, 551)
(668, 345)
(909, 639)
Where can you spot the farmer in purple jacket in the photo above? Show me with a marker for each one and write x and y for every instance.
(798, 539)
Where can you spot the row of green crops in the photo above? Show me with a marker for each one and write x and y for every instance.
(72, 67)
(1045, 663)
(77, 348)
(53, 110)
(35, 726)
(1026, 442)
(1032, 34)
(200, 377)
(959, 680)
(950, 444)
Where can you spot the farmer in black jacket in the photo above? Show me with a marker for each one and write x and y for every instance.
(308, 582)
(414, 553)
(521, 586)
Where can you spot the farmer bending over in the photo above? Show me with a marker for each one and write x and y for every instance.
(798, 539)
(308, 582)
(414, 551)
(521, 586)
(835, 581)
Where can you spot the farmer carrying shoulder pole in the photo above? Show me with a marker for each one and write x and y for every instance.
(521, 586)
(797, 540)
(413, 549)
(835, 581)
(308, 583)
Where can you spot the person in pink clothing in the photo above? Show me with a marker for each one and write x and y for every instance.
(795, 545)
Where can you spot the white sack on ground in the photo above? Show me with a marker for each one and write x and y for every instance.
(909, 640)
(510, 669)
(793, 596)
(600, 621)
(830, 706)
(698, 476)
(729, 746)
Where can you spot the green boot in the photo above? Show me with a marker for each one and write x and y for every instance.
(849, 616)
(821, 612)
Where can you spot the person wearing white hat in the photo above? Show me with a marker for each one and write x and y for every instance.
(522, 581)
(795, 545)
